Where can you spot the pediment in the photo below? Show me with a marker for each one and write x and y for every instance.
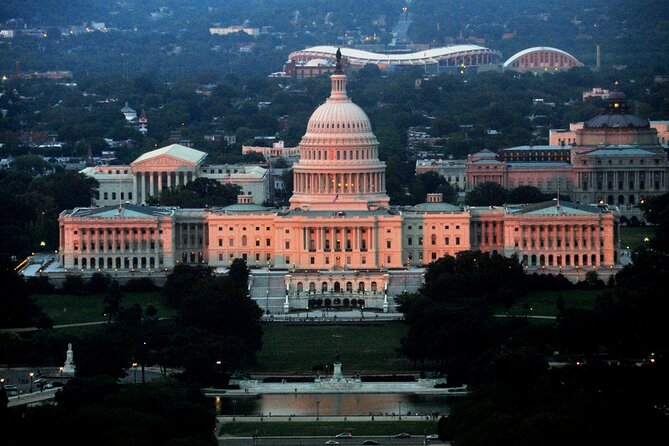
(163, 161)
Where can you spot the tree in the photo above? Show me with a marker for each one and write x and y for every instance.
(31, 164)
(239, 273)
(431, 182)
(18, 308)
(181, 281)
(526, 194)
(69, 189)
(201, 192)
(486, 194)
(112, 300)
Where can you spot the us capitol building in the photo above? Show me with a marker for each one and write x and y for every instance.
(339, 243)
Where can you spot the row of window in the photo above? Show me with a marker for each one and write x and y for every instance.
(642, 185)
(117, 262)
(433, 241)
(257, 228)
(119, 246)
(105, 195)
(340, 154)
(126, 231)
(336, 287)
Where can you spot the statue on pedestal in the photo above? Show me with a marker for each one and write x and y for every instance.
(337, 357)
(69, 367)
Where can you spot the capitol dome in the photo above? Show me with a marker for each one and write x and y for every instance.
(338, 118)
(339, 165)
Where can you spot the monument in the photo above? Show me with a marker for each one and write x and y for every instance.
(69, 367)
(337, 375)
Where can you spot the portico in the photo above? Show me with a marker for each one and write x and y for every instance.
(165, 168)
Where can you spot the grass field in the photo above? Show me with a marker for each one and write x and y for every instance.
(634, 237)
(292, 348)
(328, 429)
(543, 303)
(68, 309)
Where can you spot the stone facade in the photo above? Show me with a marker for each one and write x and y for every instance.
(339, 242)
(170, 167)
(614, 158)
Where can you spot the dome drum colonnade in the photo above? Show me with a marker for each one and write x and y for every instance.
(339, 167)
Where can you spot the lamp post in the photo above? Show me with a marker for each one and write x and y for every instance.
(60, 370)
(134, 372)
(318, 403)
(234, 409)
(400, 408)
(31, 381)
(267, 301)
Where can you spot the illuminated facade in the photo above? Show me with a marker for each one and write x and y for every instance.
(339, 243)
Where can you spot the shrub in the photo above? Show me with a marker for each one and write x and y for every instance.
(140, 285)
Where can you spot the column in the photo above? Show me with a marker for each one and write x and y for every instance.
(169, 180)
(151, 191)
(134, 187)
(160, 182)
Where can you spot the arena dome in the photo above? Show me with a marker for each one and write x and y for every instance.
(317, 62)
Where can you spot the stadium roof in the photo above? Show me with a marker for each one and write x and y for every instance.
(431, 55)
(519, 54)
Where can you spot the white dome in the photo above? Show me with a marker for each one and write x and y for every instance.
(338, 118)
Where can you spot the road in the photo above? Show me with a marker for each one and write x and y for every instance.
(312, 441)
(401, 28)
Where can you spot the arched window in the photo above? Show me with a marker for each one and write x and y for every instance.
(349, 287)
(373, 287)
(324, 287)
(361, 287)
(433, 239)
(244, 240)
(300, 287)
(337, 287)
(312, 287)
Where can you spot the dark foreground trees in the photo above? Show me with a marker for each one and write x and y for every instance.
(100, 411)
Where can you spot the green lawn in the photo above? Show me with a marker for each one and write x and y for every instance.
(68, 309)
(328, 429)
(634, 237)
(294, 348)
(543, 303)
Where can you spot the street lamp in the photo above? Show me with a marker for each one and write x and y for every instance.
(318, 403)
(400, 409)
(234, 409)
(134, 372)
(31, 381)
(267, 301)
(60, 370)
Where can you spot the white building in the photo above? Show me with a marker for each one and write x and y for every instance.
(170, 167)
(452, 170)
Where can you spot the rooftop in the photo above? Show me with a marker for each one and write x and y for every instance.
(176, 151)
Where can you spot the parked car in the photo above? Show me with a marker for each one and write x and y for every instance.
(344, 435)
(370, 442)
(402, 435)
(433, 437)
(12, 390)
(332, 442)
